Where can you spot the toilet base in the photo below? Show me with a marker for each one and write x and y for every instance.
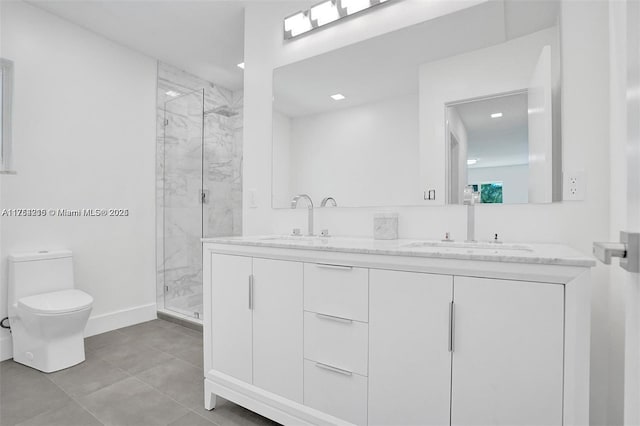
(49, 356)
(49, 342)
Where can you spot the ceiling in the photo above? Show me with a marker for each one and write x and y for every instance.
(205, 38)
(496, 142)
(387, 66)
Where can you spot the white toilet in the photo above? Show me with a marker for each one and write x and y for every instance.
(46, 313)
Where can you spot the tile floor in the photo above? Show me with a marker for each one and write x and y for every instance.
(148, 374)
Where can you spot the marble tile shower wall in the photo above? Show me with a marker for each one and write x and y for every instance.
(184, 166)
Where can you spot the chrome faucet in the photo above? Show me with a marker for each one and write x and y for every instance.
(327, 200)
(294, 204)
(470, 197)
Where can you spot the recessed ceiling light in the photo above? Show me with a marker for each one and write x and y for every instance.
(471, 161)
(338, 97)
(172, 93)
(241, 65)
(496, 115)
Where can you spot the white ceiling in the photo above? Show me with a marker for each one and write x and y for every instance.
(387, 66)
(496, 142)
(205, 38)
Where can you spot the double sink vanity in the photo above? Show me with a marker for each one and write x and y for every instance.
(312, 330)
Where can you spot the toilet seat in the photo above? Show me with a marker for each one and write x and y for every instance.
(57, 302)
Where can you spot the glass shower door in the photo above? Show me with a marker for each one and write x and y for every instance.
(182, 203)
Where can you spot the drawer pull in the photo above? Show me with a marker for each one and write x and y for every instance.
(334, 318)
(336, 267)
(334, 369)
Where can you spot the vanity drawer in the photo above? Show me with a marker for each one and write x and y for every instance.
(337, 392)
(336, 341)
(341, 291)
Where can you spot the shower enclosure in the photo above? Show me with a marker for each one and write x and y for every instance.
(199, 182)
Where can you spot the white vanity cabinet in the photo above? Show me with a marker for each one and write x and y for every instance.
(328, 337)
(256, 322)
(507, 353)
(409, 356)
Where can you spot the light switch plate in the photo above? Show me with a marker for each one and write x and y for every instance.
(574, 185)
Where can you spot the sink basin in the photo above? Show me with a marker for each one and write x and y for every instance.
(294, 239)
(471, 248)
(465, 245)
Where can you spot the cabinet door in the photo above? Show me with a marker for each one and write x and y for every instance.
(231, 316)
(277, 327)
(508, 353)
(409, 358)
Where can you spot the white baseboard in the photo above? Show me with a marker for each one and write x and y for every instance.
(98, 324)
(118, 319)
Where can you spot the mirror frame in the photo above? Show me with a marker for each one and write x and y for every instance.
(7, 101)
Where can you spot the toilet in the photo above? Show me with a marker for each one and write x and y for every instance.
(46, 313)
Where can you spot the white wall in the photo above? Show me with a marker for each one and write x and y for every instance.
(497, 69)
(361, 156)
(585, 131)
(515, 180)
(84, 137)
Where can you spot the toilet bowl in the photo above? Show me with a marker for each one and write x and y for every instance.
(46, 313)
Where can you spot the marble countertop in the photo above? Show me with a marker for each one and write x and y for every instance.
(546, 254)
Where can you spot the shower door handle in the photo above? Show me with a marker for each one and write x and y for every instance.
(204, 196)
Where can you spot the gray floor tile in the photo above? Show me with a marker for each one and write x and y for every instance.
(132, 357)
(106, 339)
(87, 377)
(145, 327)
(227, 413)
(26, 393)
(131, 402)
(191, 419)
(193, 355)
(70, 414)
(177, 379)
(167, 356)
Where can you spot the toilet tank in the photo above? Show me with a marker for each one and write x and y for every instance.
(39, 272)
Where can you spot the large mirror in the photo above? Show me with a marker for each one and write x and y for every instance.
(414, 116)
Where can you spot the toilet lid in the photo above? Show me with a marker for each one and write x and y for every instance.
(56, 302)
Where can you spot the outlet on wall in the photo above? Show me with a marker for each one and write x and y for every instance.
(574, 185)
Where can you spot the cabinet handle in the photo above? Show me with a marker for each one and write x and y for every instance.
(336, 267)
(334, 369)
(334, 318)
(451, 326)
(251, 291)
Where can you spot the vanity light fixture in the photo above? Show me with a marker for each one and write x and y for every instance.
(324, 13)
(172, 93)
(297, 24)
(496, 115)
(471, 161)
(241, 65)
(338, 97)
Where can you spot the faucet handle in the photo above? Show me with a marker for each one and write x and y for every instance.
(296, 232)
